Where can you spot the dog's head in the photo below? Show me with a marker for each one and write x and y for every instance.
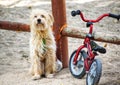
(41, 20)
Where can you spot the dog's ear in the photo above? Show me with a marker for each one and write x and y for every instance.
(51, 19)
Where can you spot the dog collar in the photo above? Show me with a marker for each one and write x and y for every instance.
(44, 41)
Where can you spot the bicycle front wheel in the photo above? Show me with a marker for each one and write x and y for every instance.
(94, 73)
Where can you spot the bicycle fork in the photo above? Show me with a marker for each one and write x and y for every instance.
(87, 60)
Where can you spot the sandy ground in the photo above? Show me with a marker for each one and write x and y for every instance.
(14, 46)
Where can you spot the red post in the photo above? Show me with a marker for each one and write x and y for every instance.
(59, 13)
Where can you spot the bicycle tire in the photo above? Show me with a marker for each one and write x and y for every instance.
(94, 74)
(81, 70)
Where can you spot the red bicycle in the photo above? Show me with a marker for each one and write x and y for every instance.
(83, 60)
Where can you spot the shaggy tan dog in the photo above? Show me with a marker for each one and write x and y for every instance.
(42, 44)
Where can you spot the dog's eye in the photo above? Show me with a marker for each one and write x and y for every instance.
(42, 16)
(35, 16)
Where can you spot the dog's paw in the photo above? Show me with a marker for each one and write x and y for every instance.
(36, 77)
(31, 72)
(50, 75)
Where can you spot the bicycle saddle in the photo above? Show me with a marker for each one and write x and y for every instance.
(96, 47)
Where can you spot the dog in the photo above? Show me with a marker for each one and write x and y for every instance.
(42, 45)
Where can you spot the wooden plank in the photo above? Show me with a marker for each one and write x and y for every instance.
(98, 36)
(15, 26)
(69, 32)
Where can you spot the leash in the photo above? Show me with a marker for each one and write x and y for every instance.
(61, 29)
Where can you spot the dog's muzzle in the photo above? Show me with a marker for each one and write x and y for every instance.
(40, 24)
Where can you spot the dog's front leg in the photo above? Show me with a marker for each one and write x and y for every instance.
(36, 68)
(50, 65)
(31, 68)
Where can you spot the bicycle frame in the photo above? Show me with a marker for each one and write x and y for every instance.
(90, 55)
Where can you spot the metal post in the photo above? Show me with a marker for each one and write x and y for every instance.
(59, 13)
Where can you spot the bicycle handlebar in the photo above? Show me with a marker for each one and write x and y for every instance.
(78, 12)
(114, 16)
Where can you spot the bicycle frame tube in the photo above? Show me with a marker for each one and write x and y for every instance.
(91, 56)
(91, 28)
(77, 53)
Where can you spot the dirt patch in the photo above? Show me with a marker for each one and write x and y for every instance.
(14, 46)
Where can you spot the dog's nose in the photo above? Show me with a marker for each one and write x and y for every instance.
(39, 20)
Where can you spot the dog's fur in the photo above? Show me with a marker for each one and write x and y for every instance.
(42, 44)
